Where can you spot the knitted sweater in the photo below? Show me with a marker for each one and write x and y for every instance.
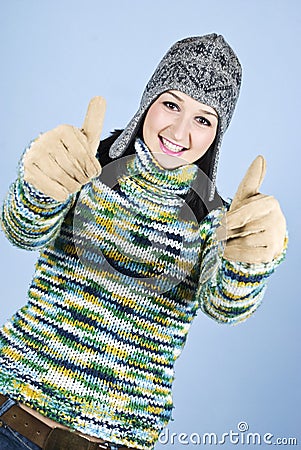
(118, 282)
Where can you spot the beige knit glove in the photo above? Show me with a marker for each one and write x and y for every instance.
(255, 224)
(62, 160)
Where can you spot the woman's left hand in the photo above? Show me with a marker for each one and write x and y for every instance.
(255, 225)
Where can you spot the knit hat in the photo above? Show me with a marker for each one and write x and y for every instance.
(206, 69)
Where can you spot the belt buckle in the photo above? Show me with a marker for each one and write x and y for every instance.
(61, 439)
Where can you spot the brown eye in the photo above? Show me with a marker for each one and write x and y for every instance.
(203, 121)
(171, 105)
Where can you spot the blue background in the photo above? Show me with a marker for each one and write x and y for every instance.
(56, 55)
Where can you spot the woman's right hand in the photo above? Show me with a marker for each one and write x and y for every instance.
(62, 160)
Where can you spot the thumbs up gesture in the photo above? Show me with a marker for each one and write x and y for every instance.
(62, 160)
(255, 224)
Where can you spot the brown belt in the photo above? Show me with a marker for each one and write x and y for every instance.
(46, 437)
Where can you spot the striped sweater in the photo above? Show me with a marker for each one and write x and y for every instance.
(118, 282)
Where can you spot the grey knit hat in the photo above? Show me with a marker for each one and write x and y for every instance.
(206, 69)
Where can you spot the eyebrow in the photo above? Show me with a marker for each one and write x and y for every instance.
(181, 100)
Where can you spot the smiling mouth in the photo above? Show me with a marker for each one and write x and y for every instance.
(169, 147)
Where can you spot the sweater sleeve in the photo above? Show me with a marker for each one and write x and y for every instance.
(230, 292)
(29, 218)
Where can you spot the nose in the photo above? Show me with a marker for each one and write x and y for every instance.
(181, 132)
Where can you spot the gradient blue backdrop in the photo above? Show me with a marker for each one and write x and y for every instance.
(56, 55)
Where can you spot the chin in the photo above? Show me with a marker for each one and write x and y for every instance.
(169, 162)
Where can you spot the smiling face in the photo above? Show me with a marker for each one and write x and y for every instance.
(178, 130)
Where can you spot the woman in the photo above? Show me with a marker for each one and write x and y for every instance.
(128, 257)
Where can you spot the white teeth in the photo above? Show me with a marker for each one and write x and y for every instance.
(171, 147)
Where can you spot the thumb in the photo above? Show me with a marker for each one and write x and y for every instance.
(251, 182)
(93, 121)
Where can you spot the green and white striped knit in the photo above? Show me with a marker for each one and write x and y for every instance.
(116, 287)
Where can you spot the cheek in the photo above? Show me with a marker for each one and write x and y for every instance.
(211, 137)
(202, 144)
(203, 141)
(154, 120)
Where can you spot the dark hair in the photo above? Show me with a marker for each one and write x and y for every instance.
(199, 192)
